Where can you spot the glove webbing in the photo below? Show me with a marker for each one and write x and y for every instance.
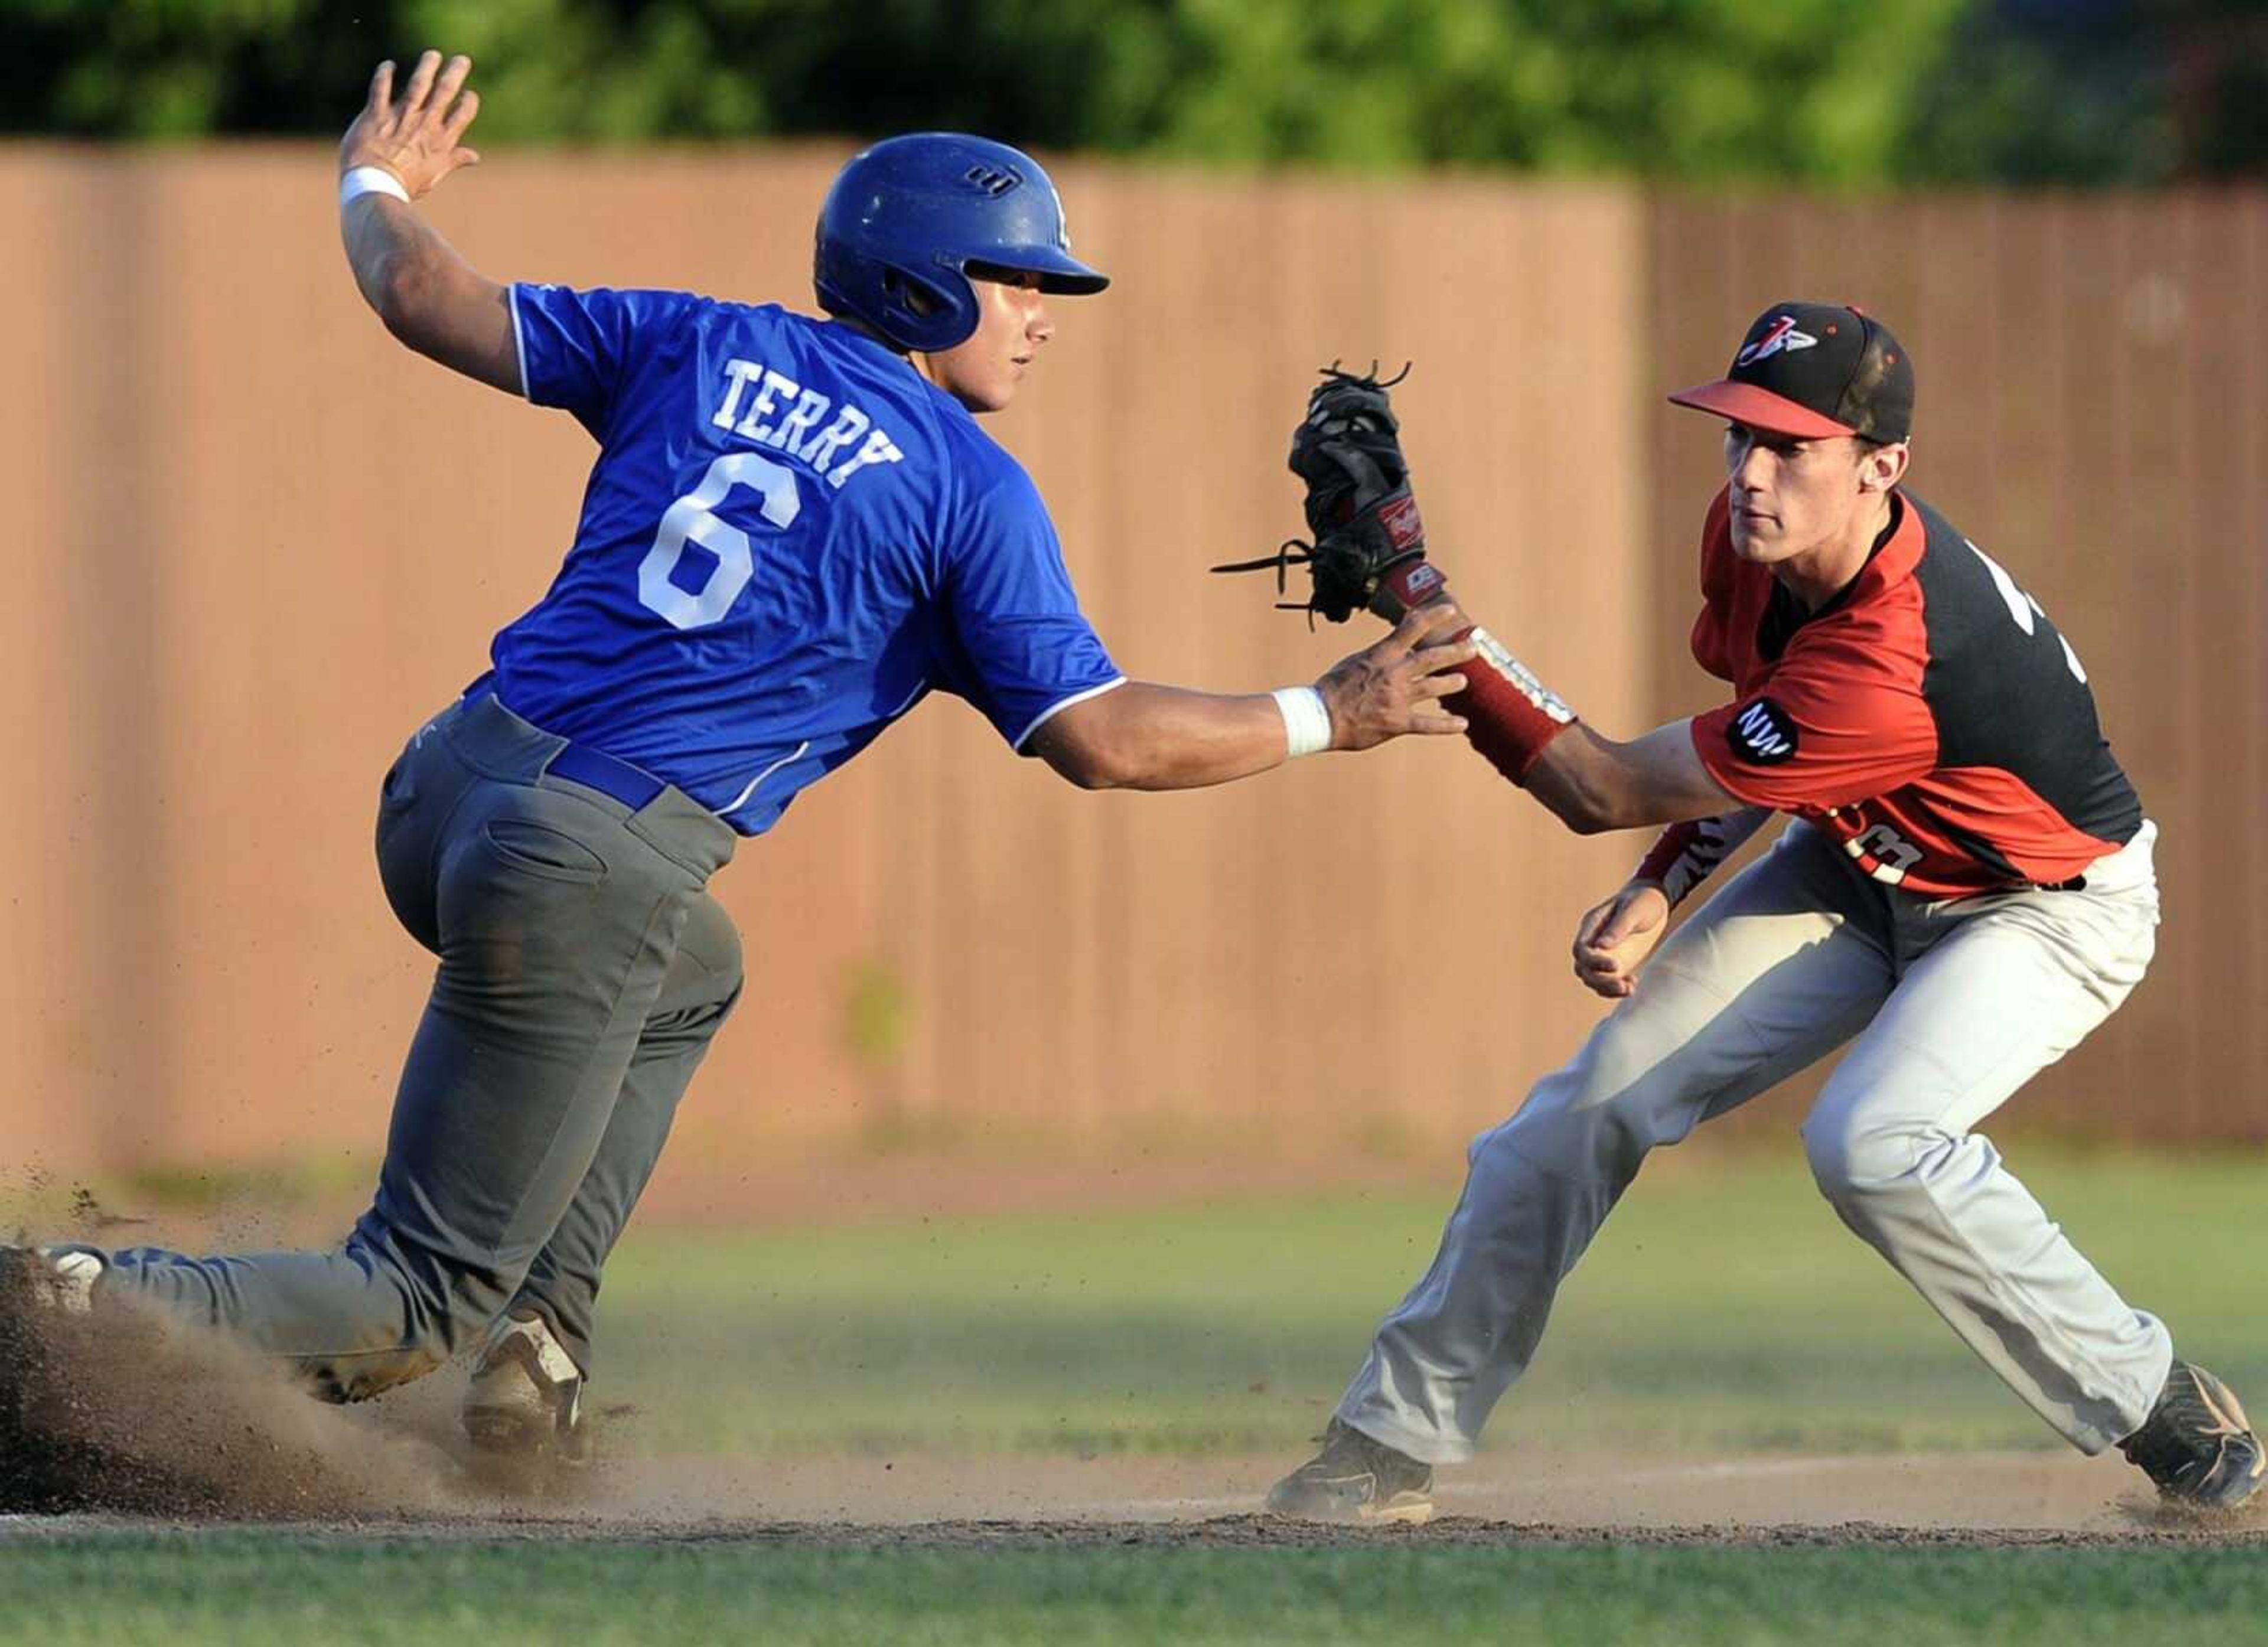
(1299, 551)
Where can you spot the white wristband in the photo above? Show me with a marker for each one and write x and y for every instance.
(370, 180)
(1306, 722)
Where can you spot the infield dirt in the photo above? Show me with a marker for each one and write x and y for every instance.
(119, 1424)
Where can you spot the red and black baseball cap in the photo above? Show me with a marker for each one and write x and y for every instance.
(1814, 370)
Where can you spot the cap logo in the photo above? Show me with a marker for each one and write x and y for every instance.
(1782, 335)
(1762, 734)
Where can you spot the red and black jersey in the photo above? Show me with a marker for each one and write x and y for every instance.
(1929, 717)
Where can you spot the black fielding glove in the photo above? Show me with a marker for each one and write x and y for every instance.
(1368, 552)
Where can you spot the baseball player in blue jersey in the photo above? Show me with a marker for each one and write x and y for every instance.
(793, 533)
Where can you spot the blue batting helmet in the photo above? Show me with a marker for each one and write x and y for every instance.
(908, 219)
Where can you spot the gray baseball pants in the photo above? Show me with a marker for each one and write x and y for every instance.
(583, 967)
(1955, 1003)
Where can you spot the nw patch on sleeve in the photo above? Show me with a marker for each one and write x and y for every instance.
(1762, 734)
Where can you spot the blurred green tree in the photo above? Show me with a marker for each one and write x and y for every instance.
(2094, 91)
(1805, 92)
(176, 69)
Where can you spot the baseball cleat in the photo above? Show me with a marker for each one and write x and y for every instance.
(526, 1403)
(57, 1278)
(1358, 1482)
(2196, 1445)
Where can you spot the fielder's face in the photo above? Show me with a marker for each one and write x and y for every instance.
(1793, 497)
(985, 371)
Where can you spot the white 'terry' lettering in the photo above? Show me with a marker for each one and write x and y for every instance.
(819, 449)
(737, 373)
(879, 448)
(752, 427)
(760, 405)
(809, 407)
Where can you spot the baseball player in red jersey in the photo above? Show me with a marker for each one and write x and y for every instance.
(1964, 893)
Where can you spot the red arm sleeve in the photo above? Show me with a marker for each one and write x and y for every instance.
(1687, 854)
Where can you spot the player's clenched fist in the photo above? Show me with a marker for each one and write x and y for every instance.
(1612, 938)
(419, 139)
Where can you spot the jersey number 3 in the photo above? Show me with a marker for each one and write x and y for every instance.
(693, 519)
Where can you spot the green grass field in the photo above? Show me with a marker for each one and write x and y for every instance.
(1723, 1308)
(247, 1591)
(1723, 1311)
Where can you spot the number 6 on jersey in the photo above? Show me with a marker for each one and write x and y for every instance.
(693, 516)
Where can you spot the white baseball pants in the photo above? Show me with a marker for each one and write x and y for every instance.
(1955, 1003)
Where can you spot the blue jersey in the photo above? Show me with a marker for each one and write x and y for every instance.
(789, 538)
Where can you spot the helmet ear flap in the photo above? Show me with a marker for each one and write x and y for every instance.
(927, 313)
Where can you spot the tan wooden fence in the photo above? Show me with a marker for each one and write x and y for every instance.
(253, 543)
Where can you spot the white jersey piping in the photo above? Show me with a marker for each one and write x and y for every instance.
(520, 344)
(1060, 705)
(748, 793)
